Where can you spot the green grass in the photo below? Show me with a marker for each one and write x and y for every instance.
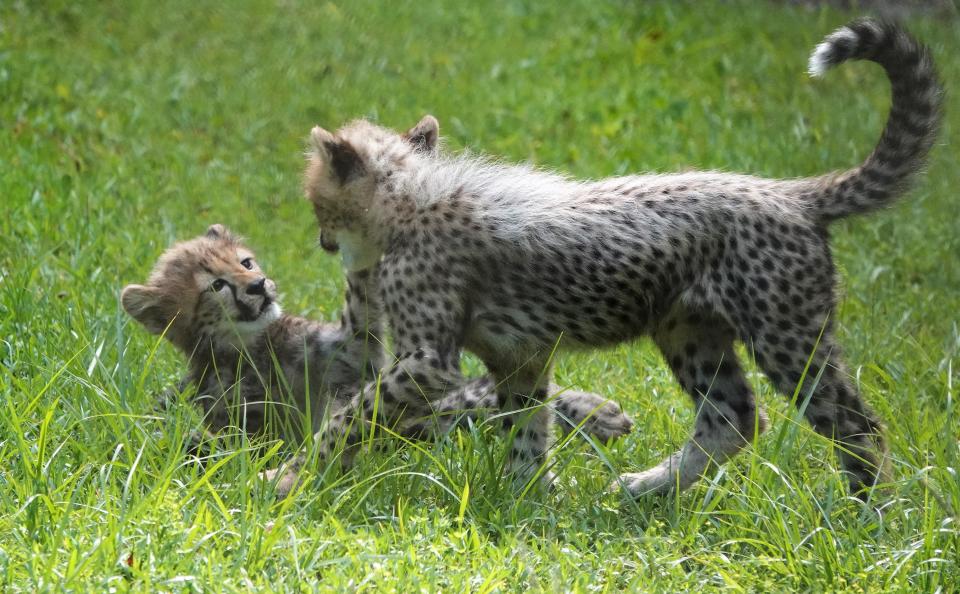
(126, 126)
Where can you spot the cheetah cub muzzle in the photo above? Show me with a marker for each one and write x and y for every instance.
(507, 261)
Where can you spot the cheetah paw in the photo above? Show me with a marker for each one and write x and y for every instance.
(655, 481)
(284, 478)
(608, 422)
(601, 418)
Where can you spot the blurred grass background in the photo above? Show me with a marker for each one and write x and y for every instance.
(128, 125)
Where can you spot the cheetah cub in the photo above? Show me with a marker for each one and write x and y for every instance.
(260, 370)
(507, 261)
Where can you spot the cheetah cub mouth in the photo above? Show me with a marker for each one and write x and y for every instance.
(248, 313)
(252, 320)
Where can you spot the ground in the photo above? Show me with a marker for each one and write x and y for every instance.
(126, 126)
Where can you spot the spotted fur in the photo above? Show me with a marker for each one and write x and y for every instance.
(263, 372)
(508, 261)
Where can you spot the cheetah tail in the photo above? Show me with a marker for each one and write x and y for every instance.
(911, 127)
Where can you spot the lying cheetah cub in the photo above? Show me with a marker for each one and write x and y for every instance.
(506, 260)
(258, 369)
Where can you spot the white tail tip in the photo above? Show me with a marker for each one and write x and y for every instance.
(824, 55)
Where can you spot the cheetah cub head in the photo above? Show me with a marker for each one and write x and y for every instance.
(355, 179)
(209, 287)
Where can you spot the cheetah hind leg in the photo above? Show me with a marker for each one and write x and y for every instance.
(837, 411)
(699, 349)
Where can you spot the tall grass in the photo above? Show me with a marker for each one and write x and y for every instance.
(129, 125)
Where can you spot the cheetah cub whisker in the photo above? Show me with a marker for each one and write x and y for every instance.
(504, 260)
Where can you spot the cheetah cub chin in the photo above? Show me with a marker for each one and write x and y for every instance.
(260, 370)
(507, 261)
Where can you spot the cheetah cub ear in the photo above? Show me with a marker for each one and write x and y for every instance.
(424, 135)
(145, 305)
(216, 231)
(339, 155)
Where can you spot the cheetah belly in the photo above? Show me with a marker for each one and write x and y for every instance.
(519, 323)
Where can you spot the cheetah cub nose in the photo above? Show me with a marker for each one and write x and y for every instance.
(257, 286)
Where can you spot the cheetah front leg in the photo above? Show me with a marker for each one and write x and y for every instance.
(593, 414)
(522, 392)
(403, 401)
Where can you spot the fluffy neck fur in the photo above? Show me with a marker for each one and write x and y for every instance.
(512, 195)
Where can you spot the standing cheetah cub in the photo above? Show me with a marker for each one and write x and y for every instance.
(258, 369)
(506, 260)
